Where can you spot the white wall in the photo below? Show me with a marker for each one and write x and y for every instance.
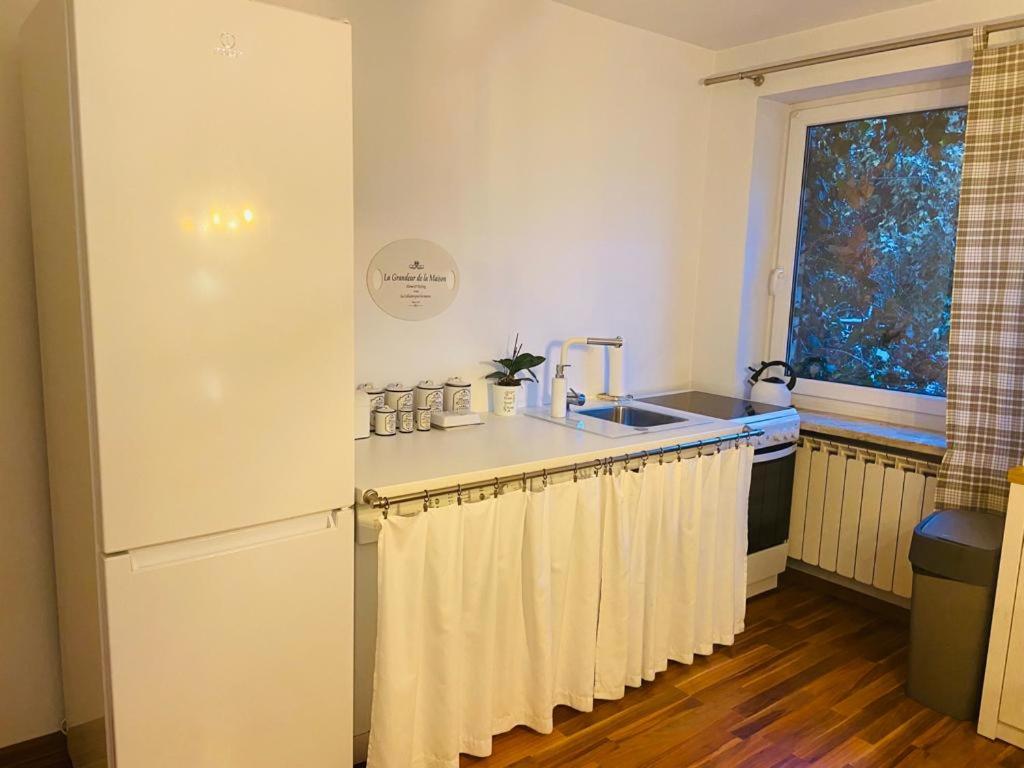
(747, 137)
(30, 697)
(558, 156)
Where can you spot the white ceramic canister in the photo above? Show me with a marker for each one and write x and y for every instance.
(423, 419)
(406, 420)
(457, 395)
(376, 395)
(398, 396)
(429, 395)
(384, 421)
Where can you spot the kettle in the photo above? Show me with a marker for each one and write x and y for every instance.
(772, 389)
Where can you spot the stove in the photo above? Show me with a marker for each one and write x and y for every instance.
(781, 424)
(771, 479)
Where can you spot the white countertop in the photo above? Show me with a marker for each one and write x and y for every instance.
(502, 445)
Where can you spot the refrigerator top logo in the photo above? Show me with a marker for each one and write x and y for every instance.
(228, 46)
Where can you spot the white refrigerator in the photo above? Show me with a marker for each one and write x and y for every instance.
(191, 186)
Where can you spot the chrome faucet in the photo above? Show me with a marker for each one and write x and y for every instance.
(574, 398)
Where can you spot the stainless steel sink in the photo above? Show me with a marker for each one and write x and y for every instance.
(629, 416)
(624, 419)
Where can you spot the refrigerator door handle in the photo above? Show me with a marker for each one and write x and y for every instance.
(162, 555)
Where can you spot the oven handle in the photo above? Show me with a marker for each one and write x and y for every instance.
(779, 452)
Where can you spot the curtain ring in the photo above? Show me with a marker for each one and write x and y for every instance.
(597, 468)
(524, 482)
(575, 473)
(643, 461)
(387, 507)
(718, 445)
(544, 474)
(458, 494)
(426, 501)
(661, 455)
(497, 488)
(700, 448)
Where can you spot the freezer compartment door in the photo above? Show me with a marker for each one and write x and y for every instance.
(235, 649)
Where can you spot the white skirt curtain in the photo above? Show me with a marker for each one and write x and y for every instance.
(492, 613)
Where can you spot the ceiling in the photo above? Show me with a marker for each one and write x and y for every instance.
(718, 24)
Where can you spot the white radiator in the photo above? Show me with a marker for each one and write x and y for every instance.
(854, 511)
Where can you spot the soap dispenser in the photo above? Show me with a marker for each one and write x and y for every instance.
(559, 392)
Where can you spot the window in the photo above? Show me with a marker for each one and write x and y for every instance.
(869, 233)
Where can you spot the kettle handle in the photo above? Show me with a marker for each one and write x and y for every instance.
(756, 376)
(788, 369)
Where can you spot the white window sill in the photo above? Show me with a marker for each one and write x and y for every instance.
(904, 438)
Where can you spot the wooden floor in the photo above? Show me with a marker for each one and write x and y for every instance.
(814, 680)
(45, 752)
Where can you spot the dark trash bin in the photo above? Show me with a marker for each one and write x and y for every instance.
(955, 556)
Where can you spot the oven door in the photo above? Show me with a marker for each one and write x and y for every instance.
(771, 492)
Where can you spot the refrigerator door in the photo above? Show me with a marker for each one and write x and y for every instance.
(216, 168)
(235, 649)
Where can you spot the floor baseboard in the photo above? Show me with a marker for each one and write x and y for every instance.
(49, 751)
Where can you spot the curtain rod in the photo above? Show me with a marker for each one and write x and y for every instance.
(756, 75)
(375, 500)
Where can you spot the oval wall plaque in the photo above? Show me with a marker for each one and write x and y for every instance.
(413, 279)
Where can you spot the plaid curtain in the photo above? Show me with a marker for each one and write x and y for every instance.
(985, 383)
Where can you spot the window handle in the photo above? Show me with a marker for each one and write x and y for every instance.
(774, 280)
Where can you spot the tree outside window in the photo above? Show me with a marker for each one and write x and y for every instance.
(875, 246)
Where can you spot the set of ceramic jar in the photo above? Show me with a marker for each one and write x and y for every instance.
(398, 408)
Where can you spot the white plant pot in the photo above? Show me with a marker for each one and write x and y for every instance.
(504, 399)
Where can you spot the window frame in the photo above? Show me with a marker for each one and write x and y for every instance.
(783, 274)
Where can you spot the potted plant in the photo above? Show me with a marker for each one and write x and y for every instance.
(513, 372)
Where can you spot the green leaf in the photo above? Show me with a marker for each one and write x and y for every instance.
(520, 362)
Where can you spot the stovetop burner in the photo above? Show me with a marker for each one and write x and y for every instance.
(717, 406)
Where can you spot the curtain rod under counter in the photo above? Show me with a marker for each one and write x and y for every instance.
(373, 499)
